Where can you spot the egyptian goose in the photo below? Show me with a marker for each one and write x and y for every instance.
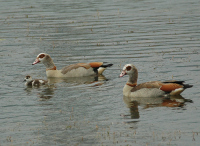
(37, 82)
(73, 70)
(149, 89)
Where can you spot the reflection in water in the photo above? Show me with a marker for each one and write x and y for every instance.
(47, 91)
(44, 92)
(172, 101)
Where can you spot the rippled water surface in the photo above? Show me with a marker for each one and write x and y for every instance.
(161, 38)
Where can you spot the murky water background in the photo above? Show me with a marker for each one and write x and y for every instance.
(161, 38)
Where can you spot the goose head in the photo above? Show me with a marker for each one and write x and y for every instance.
(128, 69)
(28, 78)
(40, 58)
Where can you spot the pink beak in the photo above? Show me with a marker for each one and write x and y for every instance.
(36, 61)
(122, 73)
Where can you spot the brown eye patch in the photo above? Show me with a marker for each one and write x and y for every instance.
(41, 56)
(27, 77)
(128, 68)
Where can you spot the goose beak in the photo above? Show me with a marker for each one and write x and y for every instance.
(36, 61)
(122, 73)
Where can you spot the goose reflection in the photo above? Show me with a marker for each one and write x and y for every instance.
(171, 101)
(44, 92)
(47, 91)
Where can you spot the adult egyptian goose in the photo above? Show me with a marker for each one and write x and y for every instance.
(149, 89)
(73, 70)
(37, 82)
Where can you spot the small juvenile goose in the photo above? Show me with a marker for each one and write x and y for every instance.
(73, 70)
(36, 82)
(149, 89)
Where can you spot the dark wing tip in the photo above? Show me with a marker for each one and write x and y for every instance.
(174, 81)
(187, 86)
(107, 65)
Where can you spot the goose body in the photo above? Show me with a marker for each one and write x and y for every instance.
(37, 82)
(149, 89)
(73, 70)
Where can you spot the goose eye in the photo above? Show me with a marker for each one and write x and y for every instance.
(128, 68)
(41, 56)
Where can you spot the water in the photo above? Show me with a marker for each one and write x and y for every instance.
(161, 38)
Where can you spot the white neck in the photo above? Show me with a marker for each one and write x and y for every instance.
(27, 82)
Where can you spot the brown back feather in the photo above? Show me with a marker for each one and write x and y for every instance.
(153, 84)
(74, 66)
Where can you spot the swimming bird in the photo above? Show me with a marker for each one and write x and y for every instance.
(152, 88)
(73, 70)
(37, 82)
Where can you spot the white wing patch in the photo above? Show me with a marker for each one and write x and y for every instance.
(41, 81)
(177, 91)
(33, 83)
(100, 70)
